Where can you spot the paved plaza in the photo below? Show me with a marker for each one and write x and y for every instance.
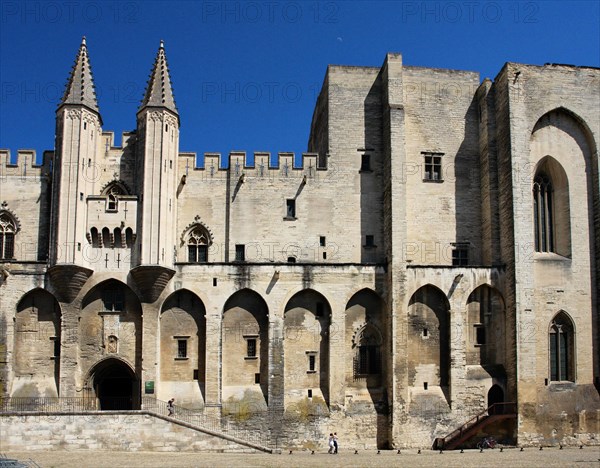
(529, 457)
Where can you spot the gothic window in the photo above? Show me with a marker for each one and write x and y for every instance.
(367, 359)
(8, 229)
(562, 349)
(198, 242)
(543, 218)
(118, 238)
(112, 196)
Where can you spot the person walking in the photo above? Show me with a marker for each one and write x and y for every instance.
(331, 446)
(171, 407)
(335, 442)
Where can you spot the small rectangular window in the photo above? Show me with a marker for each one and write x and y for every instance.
(251, 347)
(460, 256)
(290, 204)
(324, 255)
(56, 347)
(257, 378)
(214, 281)
(309, 393)
(240, 253)
(479, 335)
(365, 163)
(322, 241)
(369, 240)
(114, 301)
(195, 377)
(433, 166)
(311, 362)
(182, 349)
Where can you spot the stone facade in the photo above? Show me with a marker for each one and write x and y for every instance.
(435, 251)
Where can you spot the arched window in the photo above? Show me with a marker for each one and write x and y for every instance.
(112, 192)
(129, 237)
(8, 229)
(198, 242)
(94, 236)
(367, 359)
(106, 237)
(118, 238)
(543, 218)
(562, 349)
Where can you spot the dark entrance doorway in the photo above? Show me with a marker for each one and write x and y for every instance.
(495, 395)
(115, 385)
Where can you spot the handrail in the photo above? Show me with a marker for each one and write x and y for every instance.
(495, 409)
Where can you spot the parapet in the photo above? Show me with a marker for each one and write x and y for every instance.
(25, 164)
(258, 164)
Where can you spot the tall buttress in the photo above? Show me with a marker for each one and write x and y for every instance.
(157, 148)
(78, 138)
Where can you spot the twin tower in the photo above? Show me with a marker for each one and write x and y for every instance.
(80, 174)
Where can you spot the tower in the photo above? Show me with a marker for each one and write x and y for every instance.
(157, 150)
(78, 132)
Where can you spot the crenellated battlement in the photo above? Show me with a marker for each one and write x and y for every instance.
(258, 164)
(25, 164)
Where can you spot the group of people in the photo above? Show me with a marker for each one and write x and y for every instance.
(333, 443)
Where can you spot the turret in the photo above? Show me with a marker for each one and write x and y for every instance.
(157, 150)
(78, 132)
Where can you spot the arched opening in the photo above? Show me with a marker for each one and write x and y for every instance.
(106, 238)
(95, 237)
(115, 385)
(110, 326)
(429, 342)
(183, 349)
(37, 345)
(486, 328)
(562, 348)
(245, 356)
(365, 362)
(118, 238)
(306, 324)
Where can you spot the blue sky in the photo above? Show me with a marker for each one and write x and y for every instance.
(246, 74)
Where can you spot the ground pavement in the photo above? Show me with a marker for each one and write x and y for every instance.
(589, 456)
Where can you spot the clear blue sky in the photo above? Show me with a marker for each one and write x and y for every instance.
(246, 74)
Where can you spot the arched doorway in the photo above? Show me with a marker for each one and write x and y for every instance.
(115, 385)
(495, 395)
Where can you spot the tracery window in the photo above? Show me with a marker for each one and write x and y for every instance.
(543, 218)
(198, 242)
(367, 359)
(8, 229)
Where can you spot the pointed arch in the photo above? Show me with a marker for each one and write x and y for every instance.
(306, 322)
(37, 343)
(364, 339)
(182, 331)
(245, 344)
(486, 326)
(110, 324)
(551, 208)
(429, 337)
(198, 239)
(561, 348)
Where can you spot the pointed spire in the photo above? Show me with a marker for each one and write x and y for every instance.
(159, 92)
(80, 87)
